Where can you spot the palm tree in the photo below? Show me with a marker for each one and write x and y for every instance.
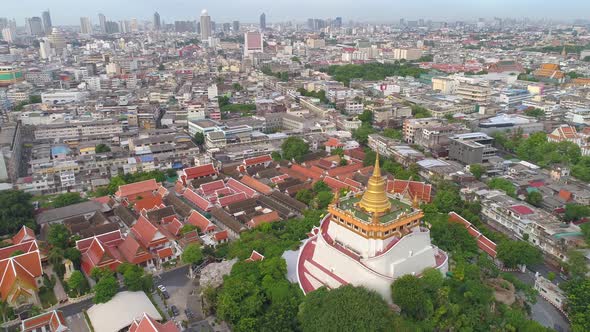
(4, 309)
(56, 256)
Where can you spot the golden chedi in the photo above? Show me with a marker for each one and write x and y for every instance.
(375, 198)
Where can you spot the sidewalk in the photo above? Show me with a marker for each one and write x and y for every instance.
(58, 289)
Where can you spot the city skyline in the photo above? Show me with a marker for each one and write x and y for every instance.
(68, 12)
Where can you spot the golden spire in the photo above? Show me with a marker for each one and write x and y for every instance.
(375, 199)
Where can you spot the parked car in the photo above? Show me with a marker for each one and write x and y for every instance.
(188, 313)
(174, 310)
(162, 288)
(165, 295)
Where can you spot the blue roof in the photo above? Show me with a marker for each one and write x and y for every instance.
(147, 159)
(59, 149)
(177, 165)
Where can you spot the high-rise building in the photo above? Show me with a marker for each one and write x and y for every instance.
(262, 22)
(157, 23)
(3, 23)
(236, 26)
(253, 42)
(205, 25)
(44, 49)
(85, 26)
(338, 22)
(35, 26)
(103, 23)
(8, 35)
(111, 27)
(57, 40)
(47, 21)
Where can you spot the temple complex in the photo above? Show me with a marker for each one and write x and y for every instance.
(368, 239)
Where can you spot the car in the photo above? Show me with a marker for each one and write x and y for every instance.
(188, 313)
(162, 288)
(174, 310)
(165, 295)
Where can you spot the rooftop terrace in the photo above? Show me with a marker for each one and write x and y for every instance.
(397, 208)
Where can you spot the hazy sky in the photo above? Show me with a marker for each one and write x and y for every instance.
(69, 11)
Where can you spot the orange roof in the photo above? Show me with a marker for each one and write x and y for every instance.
(19, 271)
(25, 234)
(54, 319)
(255, 256)
(199, 171)
(166, 252)
(221, 236)
(263, 219)
(147, 203)
(149, 324)
(133, 251)
(566, 195)
(333, 142)
(147, 233)
(133, 189)
(198, 220)
(256, 185)
(258, 160)
(414, 189)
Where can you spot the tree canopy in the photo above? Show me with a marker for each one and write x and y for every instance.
(16, 210)
(192, 254)
(105, 289)
(66, 199)
(372, 71)
(514, 253)
(478, 170)
(504, 185)
(102, 148)
(294, 148)
(346, 308)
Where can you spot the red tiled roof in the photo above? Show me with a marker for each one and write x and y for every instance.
(522, 209)
(263, 219)
(147, 203)
(174, 226)
(133, 251)
(132, 189)
(108, 239)
(148, 324)
(18, 271)
(227, 200)
(54, 319)
(199, 171)
(199, 201)
(165, 253)
(255, 256)
(483, 242)
(25, 247)
(221, 236)
(256, 185)
(336, 184)
(147, 233)
(198, 220)
(566, 195)
(240, 187)
(306, 173)
(347, 170)
(334, 143)
(210, 187)
(257, 160)
(417, 189)
(25, 234)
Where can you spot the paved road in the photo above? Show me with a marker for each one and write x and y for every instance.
(542, 311)
(173, 277)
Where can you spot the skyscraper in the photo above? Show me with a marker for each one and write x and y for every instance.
(262, 22)
(236, 26)
(35, 26)
(205, 25)
(85, 26)
(338, 22)
(157, 23)
(47, 21)
(103, 23)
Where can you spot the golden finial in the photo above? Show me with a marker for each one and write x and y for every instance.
(375, 198)
(415, 202)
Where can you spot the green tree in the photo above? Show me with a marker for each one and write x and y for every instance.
(578, 302)
(534, 198)
(576, 265)
(323, 199)
(575, 212)
(361, 134)
(294, 148)
(321, 186)
(504, 185)
(478, 170)
(409, 294)
(188, 228)
(276, 156)
(514, 253)
(161, 67)
(535, 112)
(99, 273)
(105, 289)
(76, 282)
(16, 211)
(58, 236)
(366, 117)
(67, 199)
(74, 255)
(192, 254)
(102, 148)
(199, 138)
(346, 308)
(304, 196)
(393, 134)
(134, 277)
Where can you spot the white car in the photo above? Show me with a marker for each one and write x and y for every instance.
(162, 288)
